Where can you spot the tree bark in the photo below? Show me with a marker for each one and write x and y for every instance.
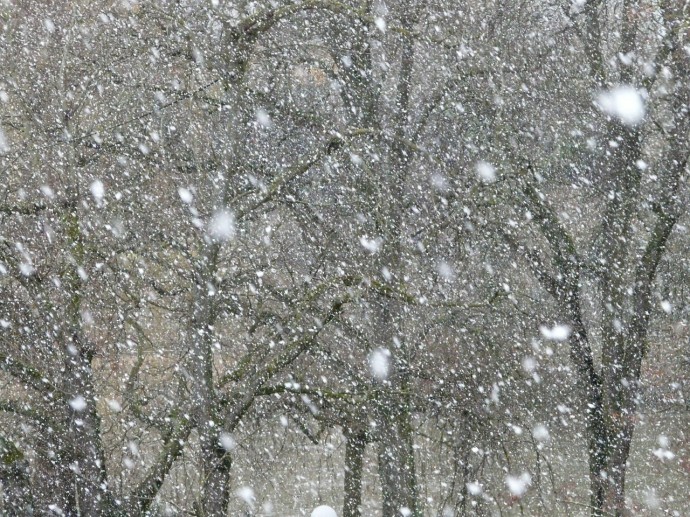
(14, 477)
(355, 446)
(396, 460)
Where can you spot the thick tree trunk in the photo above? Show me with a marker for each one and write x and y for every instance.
(215, 492)
(397, 469)
(214, 462)
(608, 455)
(396, 452)
(355, 445)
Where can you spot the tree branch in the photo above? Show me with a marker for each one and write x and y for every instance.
(143, 495)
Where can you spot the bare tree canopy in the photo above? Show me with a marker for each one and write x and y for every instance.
(321, 258)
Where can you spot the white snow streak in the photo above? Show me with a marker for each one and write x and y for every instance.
(185, 195)
(474, 488)
(114, 406)
(371, 245)
(97, 190)
(556, 333)
(4, 146)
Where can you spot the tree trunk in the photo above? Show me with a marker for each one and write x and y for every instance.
(15, 481)
(214, 463)
(215, 492)
(396, 452)
(82, 456)
(355, 445)
(609, 450)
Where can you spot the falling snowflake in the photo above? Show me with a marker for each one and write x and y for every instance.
(227, 441)
(114, 406)
(624, 103)
(263, 118)
(185, 195)
(247, 495)
(371, 245)
(474, 488)
(78, 403)
(517, 485)
(555, 333)
(379, 363)
(541, 433)
(486, 171)
(4, 146)
(221, 228)
(323, 511)
(97, 190)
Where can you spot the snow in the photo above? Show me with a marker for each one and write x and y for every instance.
(185, 195)
(97, 190)
(371, 245)
(379, 363)
(541, 433)
(246, 494)
(78, 403)
(556, 333)
(663, 453)
(263, 118)
(114, 405)
(218, 229)
(227, 441)
(4, 146)
(624, 103)
(323, 511)
(651, 499)
(47, 191)
(517, 485)
(439, 182)
(446, 271)
(529, 364)
(26, 269)
(221, 228)
(474, 488)
(485, 171)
